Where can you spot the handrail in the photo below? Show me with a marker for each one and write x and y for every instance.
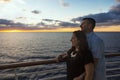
(112, 69)
(25, 64)
(50, 61)
(112, 62)
(112, 75)
(112, 54)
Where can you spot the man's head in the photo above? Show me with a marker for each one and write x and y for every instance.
(88, 24)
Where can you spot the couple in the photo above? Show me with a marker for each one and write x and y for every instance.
(85, 60)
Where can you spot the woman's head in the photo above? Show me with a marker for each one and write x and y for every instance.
(79, 40)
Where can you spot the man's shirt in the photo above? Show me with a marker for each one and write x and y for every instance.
(96, 45)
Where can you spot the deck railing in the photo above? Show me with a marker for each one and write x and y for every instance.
(51, 61)
(115, 75)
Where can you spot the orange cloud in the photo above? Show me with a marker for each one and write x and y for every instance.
(43, 30)
(5, 0)
(97, 29)
(108, 29)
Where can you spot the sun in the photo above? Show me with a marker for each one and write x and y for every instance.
(13, 31)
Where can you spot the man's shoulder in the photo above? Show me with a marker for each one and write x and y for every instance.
(96, 38)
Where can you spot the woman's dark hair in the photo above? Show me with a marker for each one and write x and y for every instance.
(82, 40)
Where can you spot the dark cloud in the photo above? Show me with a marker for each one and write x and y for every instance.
(100, 18)
(18, 25)
(68, 24)
(10, 23)
(23, 18)
(41, 24)
(35, 11)
(49, 20)
(7, 22)
(64, 4)
(45, 25)
(115, 10)
(112, 17)
(57, 23)
(118, 0)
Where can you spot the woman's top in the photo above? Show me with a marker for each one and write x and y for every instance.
(76, 62)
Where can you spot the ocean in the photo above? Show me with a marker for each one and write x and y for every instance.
(23, 47)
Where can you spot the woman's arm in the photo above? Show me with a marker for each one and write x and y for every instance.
(89, 71)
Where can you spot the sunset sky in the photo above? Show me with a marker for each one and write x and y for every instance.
(57, 15)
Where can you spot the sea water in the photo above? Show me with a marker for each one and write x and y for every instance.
(24, 47)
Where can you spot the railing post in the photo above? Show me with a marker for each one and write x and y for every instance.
(15, 71)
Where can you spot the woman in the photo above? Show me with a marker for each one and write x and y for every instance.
(79, 58)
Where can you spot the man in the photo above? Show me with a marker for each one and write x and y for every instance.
(96, 45)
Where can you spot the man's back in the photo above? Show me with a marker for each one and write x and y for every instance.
(96, 45)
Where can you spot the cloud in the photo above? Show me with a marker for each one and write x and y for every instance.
(68, 24)
(115, 9)
(35, 11)
(21, 1)
(41, 24)
(6, 22)
(112, 17)
(5, 1)
(52, 21)
(9, 24)
(49, 20)
(64, 4)
(23, 18)
(56, 23)
(118, 0)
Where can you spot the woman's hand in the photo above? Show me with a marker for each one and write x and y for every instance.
(61, 57)
(80, 77)
(77, 78)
